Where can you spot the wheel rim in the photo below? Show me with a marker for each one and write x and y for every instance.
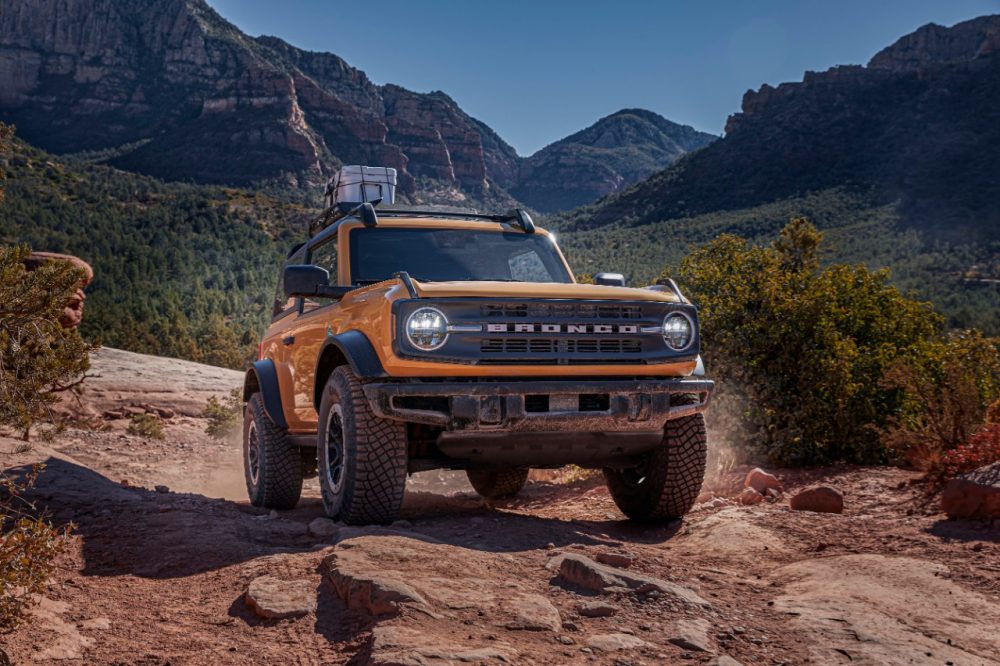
(333, 471)
(253, 452)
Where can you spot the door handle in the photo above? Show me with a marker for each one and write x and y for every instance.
(290, 340)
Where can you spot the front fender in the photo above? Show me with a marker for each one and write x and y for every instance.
(262, 377)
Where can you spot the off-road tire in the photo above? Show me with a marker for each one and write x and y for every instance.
(497, 484)
(673, 474)
(278, 482)
(372, 476)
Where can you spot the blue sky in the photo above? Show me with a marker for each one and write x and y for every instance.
(536, 71)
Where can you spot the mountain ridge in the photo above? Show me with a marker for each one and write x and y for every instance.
(173, 90)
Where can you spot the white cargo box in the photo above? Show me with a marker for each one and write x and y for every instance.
(357, 184)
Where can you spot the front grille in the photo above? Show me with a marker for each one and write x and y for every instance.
(562, 310)
(561, 345)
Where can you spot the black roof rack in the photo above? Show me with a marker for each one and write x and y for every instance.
(517, 217)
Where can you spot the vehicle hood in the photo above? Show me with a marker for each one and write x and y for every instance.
(539, 290)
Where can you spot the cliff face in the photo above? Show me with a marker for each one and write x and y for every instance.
(169, 88)
(178, 92)
(919, 127)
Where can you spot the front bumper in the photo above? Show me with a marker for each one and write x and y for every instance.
(633, 405)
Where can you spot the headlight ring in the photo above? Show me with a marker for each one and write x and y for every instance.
(427, 329)
(678, 331)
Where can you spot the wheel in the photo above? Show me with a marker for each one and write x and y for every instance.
(361, 457)
(493, 484)
(271, 464)
(668, 479)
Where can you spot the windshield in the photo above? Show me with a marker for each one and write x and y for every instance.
(440, 255)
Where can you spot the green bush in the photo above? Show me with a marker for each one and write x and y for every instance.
(38, 357)
(146, 425)
(223, 415)
(28, 548)
(800, 351)
(947, 387)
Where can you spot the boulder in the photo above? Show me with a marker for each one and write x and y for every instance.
(822, 499)
(584, 572)
(749, 497)
(973, 495)
(73, 311)
(761, 481)
(273, 598)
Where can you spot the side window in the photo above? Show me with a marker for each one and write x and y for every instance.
(281, 305)
(528, 267)
(324, 256)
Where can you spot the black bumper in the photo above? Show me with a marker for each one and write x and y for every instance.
(633, 405)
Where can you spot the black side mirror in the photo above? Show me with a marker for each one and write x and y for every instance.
(610, 279)
(305, 281)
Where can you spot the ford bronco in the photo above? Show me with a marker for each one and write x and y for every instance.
(404, 341)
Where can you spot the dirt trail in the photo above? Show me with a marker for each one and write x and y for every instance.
(159, 577)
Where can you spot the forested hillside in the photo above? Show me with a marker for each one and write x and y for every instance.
(180, 270)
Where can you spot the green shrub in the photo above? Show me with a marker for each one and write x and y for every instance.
(223, 415)
(146, 425)
(28, 548)
(38, 357)
(801, 351)
(947, 387)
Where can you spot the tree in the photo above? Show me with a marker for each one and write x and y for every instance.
(799, 351)
(38, 357)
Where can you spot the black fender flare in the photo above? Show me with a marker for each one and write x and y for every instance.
(263, 377)
(352, 346)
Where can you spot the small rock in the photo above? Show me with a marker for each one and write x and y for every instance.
(273, 598)
(570, 626)
(550, 546)
(724, 660)
(692, 635)
(113, 415)
(749, 497)
(533, 612)
(565, 640)
(773, 494)
(719, 502)
(273, 515)
(597, 609)
(822, 499)
(614, 642)
(165, 412)
(973, 495)
(133, 411)
(583, 571)
(611, 558)
(162, 489)
(323, 528)
(761, 481)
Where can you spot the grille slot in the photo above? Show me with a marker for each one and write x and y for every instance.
(558, 345)
(562, 310)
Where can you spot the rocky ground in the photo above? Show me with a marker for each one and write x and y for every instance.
(170, 565)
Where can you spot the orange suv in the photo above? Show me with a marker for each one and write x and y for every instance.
(404, 341)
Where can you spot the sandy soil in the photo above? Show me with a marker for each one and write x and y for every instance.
(159, 577)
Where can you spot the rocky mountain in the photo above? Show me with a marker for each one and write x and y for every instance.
(919, 127)
(171, 89)
(613, 153)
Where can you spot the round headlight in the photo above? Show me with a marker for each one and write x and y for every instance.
(427, 329)
(678, 331)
